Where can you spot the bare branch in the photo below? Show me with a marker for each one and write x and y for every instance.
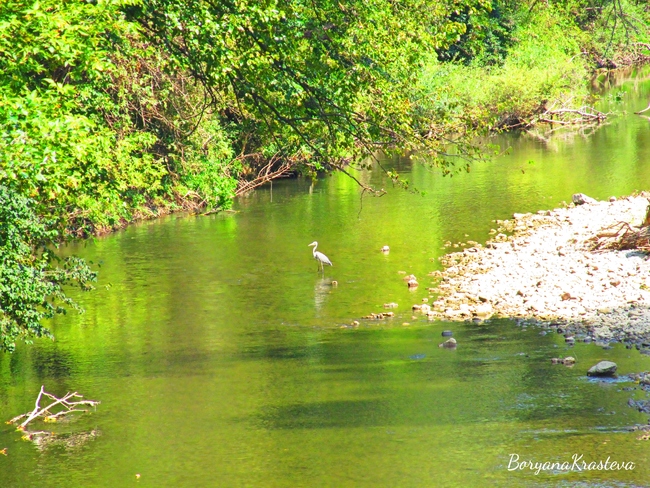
(47, 413)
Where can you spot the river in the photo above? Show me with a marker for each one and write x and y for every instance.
(221, 357)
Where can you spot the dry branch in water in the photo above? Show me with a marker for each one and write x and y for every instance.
(582, 115)
(622, 236)
(268, 172)
(63, 406)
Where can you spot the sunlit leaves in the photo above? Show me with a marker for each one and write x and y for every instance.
(328, 80)
(31, 276)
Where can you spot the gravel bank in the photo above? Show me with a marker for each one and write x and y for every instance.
(544, 271)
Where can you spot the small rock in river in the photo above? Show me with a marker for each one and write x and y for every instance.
(449, 343)
(385, 249)
(412, 284)
(390, 305)
(447, 333)
(603, 368)
(581, 199)
(569, 360)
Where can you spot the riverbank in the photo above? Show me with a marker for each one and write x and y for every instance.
(540, 268)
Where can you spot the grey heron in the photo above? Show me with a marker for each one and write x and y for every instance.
(320, 257)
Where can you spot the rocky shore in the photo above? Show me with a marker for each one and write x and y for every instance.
(541, 268)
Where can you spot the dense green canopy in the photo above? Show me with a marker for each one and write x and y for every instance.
(325, 81)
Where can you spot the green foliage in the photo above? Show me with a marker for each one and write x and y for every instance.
(544, 65)
(95, 122)
(31, 275)
(487, 36)
(210, 168)
(613, 26)
(549, 49)
(322, 82)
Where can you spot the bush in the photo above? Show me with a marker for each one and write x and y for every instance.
(543, 64)
(31, 275)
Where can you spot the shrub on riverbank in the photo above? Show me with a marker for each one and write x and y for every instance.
(31, 275)
(549, 55)
(97, 126)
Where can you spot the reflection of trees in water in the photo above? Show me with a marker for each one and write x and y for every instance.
(52, 362)
(603, 81)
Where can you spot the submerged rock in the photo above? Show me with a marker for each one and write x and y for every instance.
(447, 333)
(603, 368)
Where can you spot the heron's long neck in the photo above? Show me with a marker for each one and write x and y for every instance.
(313, 251)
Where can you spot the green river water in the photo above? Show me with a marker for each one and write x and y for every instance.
(222, 358)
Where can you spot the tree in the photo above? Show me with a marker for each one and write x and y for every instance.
(32, 277)
(320, 83)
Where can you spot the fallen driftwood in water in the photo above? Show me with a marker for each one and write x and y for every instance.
(58, 408)
(623, 236)
(582, 115)
(644, 110)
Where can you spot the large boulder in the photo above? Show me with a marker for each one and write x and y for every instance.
(603, 368)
